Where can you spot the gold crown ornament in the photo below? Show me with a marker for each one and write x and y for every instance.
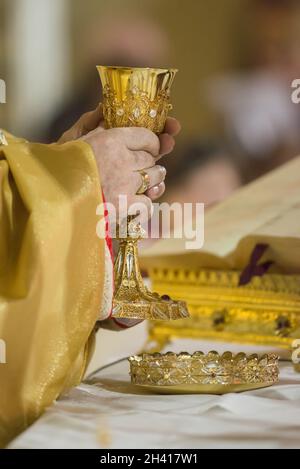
(137, 97)
(201, 373)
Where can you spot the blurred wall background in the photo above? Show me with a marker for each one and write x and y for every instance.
(35, 62)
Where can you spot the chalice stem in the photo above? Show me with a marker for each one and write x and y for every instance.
(126, 269)
(129, 284)
(132, 299)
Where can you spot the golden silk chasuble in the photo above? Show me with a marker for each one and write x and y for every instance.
(51, 274)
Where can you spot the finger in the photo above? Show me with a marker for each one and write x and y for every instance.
(156, 192)
(87, 123)
(167, 144)
(91, 120)
(127, 323)
(172, 126)
(157, 174)
(143, 160)
(138, 138)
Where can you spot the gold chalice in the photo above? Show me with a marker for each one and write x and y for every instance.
(137, 97)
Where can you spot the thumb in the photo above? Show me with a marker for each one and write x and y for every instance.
(91, 120)
(87, 122)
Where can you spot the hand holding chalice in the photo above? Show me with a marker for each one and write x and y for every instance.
(137, 97)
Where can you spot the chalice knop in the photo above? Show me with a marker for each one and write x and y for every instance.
(137, 97)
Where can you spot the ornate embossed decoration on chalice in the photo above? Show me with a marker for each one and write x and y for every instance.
(137, 97)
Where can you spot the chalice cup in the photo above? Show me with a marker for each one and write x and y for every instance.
(137, 97)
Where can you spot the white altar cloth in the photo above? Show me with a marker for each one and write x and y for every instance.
(108, 413)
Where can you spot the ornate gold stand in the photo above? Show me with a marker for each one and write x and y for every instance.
(212, 373)
(137, 97)
(266, 312)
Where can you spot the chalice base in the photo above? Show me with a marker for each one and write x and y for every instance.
(132, 299)
(148, 305)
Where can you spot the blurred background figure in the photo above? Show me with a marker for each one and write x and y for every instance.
(260, 121)
(203, 172)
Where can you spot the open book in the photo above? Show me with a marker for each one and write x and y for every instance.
(265, 211)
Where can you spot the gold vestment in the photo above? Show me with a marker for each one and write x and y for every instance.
(52, 274)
